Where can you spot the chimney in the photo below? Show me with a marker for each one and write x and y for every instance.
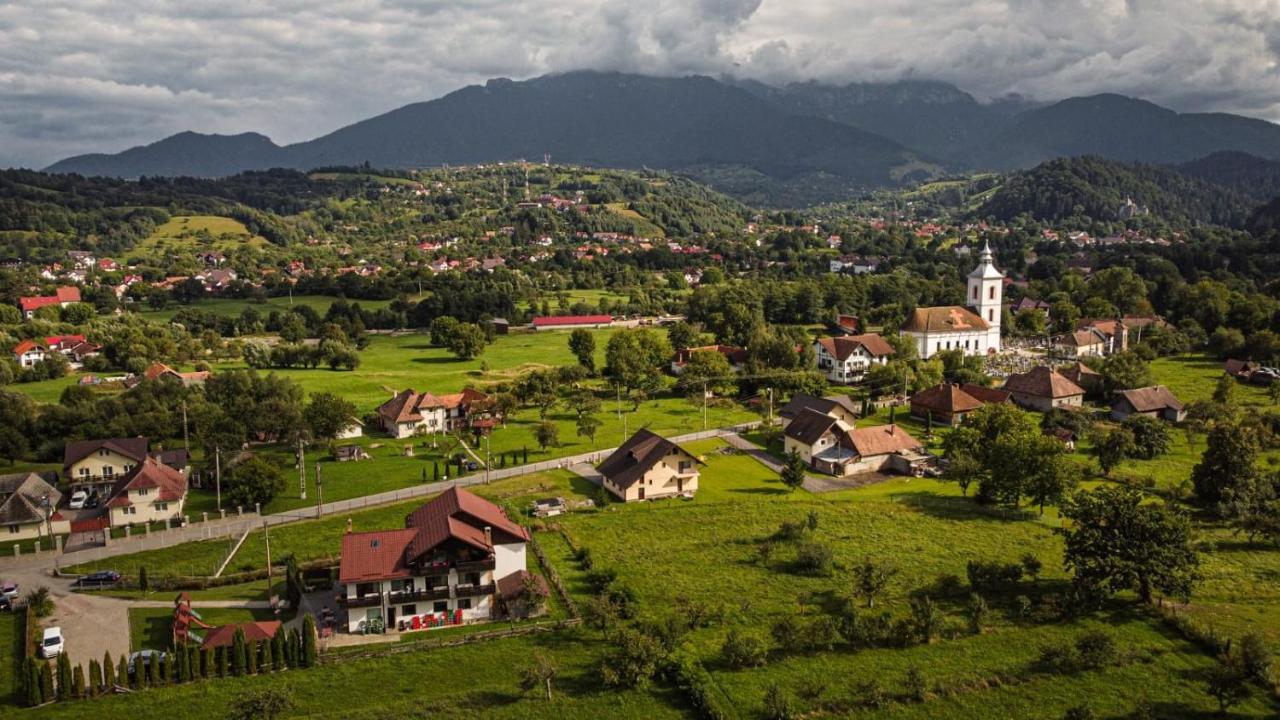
(488, 536)
(348, 525)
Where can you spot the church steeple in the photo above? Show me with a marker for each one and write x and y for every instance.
(986, 288)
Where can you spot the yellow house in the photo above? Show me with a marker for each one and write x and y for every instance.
(152, 491)
(648, 466)
(96, 465)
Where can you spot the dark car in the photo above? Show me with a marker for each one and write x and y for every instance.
(93, 501)
(471, 465)
(102, 578)
(145, 656)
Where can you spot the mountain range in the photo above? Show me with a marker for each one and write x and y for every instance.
(805, 141)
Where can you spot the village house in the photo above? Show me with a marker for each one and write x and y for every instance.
(160, 370)
(458, 560)
(96, 465)
(353, 429)
(1251, 372)
(1079, 344)
(1027, 303)
(571, 322)
(1082, 375)
(976, 329)
(1043, 388)
(948, 403)
(1157, 402)
(736, 356)
(28, 353)
(410, 412)
(149, 492)
(74, 347)
(62, 297)
(647, 467)
(846, 359)
(840, 407)
(833, 447)
(25, 500)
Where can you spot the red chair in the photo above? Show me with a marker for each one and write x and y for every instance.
(416, 623)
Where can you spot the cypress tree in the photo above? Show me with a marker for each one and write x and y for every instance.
(122, 673)
(77, 683)
(193, 663)
(108, 673)
(64, 676)
(152, 671)
(207, 667)
(95, 678)
(435, 470)
(251, 659)
(35, 692)
(144, 583)
(277, 650)
(309, 641)
(237, 653)
(46, 682)
(179, 663)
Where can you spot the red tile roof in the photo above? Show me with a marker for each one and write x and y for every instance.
(171, 484)
(1042, 381)
(224, 635)
(62, 295)
(944, 319)
(375, 556)
(572, 320)
(26, 346)
(882, 440)
(842, 347)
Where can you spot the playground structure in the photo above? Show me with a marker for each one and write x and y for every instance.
(184, 619)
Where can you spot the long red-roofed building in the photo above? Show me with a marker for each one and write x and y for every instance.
(458, 559)
(63, 297)
(571, 322)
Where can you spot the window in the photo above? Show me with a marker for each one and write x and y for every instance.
(464, 603)
(84, 472)
(440, 606)
(991, 315)
(13, 529)
(409, 610)
(130, 510)
(144, 491)
(991, 293)
(108, 471)
(975, 292)
(161, 507)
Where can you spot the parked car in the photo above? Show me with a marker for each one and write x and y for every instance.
(9, 589)
(97, 579)
(145, 656)
(93, 501)
(51, 644)
(78, 499)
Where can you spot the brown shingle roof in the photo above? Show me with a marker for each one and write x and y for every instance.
(458, 514)
(374, 556)
(25, 492)
(1042, 381)
(948, 318)
(882, 440)
(636, 457)
(1150, 399)
(842, 347)
(224, 635)
(133, 448)
(809, 426)
(151, 473)
(945, 398)
(985, 394)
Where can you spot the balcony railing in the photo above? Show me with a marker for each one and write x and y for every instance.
(359, 602)
(437, 593)
(475, 565)
(474, 590)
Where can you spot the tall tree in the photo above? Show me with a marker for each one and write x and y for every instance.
(327, 415)
(583, 346)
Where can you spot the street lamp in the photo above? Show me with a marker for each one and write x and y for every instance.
(48, 514)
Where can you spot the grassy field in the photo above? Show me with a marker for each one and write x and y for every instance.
(179, 235)
(232, 307)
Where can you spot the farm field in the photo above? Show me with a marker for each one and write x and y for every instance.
(181, 235)
(232, 307)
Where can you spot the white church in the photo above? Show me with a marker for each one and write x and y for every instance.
(975, 330)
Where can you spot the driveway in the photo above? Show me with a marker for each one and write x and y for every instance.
(91, 624)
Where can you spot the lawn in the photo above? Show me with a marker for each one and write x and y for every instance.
(232, 307)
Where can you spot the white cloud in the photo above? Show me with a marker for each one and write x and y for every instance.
(94, 75)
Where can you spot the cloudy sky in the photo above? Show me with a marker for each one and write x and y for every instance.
(103, 75)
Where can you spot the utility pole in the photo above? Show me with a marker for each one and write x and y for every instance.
(302, 471)
(186, 437)
(266, 538)
(217, 474)
(319, 493)
(704, 405)
(770, 416)
(487, 455)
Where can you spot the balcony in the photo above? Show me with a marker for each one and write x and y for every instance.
(474, 590)
(437, 593)
(475, 565)
(359, 602)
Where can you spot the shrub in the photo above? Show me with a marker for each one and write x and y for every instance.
(789, 530)
(742, 650)
(600, 579)
(987, 576)
(40, 602)
(873, 695)
(814, 559)
(1080, 712)
(1057, 658)
(978, 613)
(916, 685)
(1255, 657)
(1022, 606)
(777, 705)
(926, 619)
(1032, 566)
(1095, 649)
(786, 634)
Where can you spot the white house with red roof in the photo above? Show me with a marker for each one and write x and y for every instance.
(459, 559)
(63, 297)
(28, 353)
(846, 359)
(149, 492)
(410, 412)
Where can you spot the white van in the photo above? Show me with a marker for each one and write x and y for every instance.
(51, 645)
(78, 499)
